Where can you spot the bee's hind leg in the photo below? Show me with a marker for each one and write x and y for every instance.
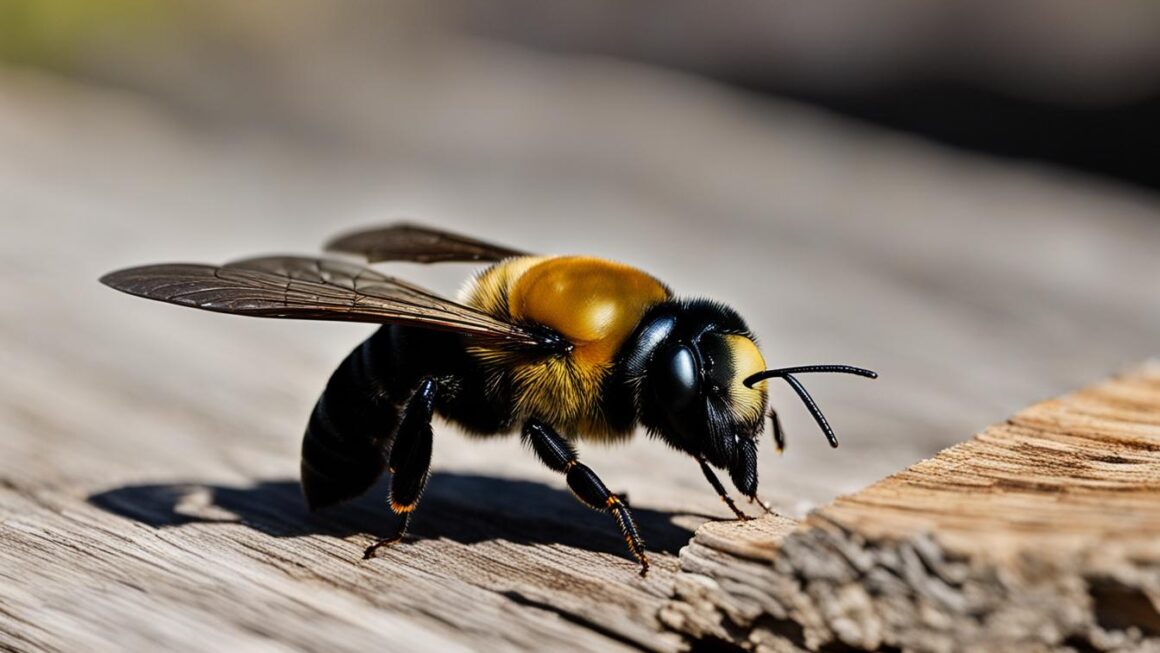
(559, 455)
(410, 459)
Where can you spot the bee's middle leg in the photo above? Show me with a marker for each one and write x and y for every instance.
(558, 454)
(410, 459)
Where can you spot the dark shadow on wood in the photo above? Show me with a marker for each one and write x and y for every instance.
(466, 508)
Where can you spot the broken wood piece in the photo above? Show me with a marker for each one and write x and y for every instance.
(1039, 534)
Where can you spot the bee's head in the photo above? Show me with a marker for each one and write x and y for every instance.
(700, 385)
(689, 360)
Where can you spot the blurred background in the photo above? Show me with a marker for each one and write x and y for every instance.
(962, 195)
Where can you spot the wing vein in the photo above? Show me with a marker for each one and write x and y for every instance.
(311, 288)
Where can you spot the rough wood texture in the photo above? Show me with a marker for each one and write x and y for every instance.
(1041, 533)
(149, 454)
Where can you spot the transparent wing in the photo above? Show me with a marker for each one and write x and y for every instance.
(302, 288)
(408, 242)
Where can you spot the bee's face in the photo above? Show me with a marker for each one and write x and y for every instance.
(694, 397)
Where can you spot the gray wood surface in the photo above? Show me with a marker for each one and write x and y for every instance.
(148, 454)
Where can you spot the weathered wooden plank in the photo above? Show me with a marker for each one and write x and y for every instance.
(1041, 533)
(148, 455)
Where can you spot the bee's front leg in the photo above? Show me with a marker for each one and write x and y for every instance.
(559, 455)
(720, 489)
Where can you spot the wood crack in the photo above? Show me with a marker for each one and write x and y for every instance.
(1042, 557)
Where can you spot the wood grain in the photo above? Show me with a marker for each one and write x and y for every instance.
(149, 454)
(1041, 533)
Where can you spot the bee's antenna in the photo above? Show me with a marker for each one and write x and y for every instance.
(787, 373)
(805, 369)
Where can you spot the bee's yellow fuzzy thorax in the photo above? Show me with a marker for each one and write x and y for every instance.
(592, 302)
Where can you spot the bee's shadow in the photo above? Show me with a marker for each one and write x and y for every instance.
(466, 508)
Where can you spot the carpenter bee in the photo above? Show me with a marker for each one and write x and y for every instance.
(564, 348)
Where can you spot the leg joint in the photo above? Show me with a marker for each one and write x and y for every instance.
(553, 450)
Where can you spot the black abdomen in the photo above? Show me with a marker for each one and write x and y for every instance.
(348, 438)
(346, 443)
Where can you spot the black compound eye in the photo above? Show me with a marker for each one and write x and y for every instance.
(676, 377)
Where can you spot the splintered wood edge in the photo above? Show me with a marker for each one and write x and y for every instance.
(1042, 533)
